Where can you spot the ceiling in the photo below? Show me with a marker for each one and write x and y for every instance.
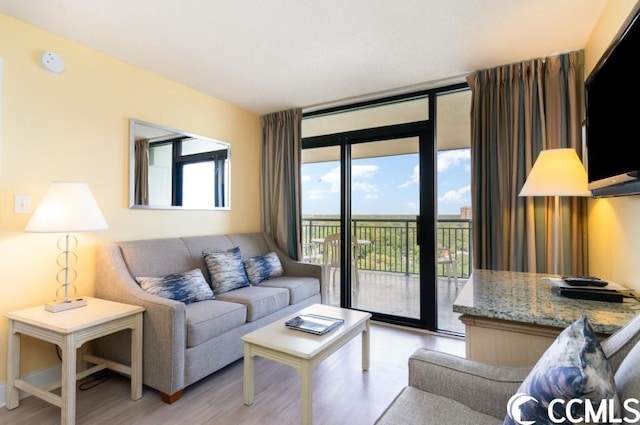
(268, 56)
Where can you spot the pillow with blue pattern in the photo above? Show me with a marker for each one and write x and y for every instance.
(187, 287)
(263, 267)
(573, 367)
(226, 270)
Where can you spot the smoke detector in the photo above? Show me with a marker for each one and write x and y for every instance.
(52, 62)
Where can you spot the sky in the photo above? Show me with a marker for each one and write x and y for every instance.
(386, 185)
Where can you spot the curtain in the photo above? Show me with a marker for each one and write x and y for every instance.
(517, 111)
(281, 150)
(141, 182)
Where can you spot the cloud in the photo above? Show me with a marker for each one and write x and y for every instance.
(333, 178)
(414, 179)
(455, 195)
(360, 176)
(452, 158)
(315, 194)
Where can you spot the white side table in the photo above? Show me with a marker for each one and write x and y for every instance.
(69, 330)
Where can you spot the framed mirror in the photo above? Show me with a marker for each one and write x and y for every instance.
(173, 169)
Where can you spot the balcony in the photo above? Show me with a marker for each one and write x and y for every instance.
(388, 264)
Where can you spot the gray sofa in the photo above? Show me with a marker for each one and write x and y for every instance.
(446, 389)
(184, 343)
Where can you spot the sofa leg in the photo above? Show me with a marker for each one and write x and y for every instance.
(171, 398)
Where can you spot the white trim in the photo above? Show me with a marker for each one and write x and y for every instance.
(40, 378)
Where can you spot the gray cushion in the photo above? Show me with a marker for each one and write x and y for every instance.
(187, 287)
(260, 301)
(226, 270)
(415, 407)
(300, 288)
(627, 376)
(208, 319)
(263, 267)
(573, 367)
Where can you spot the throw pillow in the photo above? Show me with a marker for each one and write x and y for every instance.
(263, 267)
(573, 367)
(187, 287)
(226, 270)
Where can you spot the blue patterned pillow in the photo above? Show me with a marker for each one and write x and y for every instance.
(226, 270)
(263, 268)
(187, 287)
(574, 366)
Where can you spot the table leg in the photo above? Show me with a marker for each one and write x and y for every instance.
(306, 373)
(365, 346)
(68, 390)
(136, 359)
(13, 367)
(248, 374)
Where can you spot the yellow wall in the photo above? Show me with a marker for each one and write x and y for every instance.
(614, 223)
(74, 126)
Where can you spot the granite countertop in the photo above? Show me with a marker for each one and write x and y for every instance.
(530, 298)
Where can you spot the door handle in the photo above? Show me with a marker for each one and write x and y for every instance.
(418, 230)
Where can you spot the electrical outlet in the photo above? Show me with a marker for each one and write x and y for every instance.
(22, 204)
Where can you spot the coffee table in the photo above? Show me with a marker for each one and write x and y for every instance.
(301, 350)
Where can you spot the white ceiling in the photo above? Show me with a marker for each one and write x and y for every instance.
(271, 55)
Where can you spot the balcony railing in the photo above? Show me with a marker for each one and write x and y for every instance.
(392, 246)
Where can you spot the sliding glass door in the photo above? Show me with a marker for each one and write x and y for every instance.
(370, 176)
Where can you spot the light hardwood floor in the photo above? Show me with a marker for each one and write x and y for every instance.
(343, 393)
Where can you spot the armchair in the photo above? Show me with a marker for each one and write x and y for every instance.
(445, 389)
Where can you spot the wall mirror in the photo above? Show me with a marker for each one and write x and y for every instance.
(173, 169)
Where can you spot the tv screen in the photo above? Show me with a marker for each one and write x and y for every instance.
(612, 94)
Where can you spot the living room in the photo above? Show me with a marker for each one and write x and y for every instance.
(75, 126)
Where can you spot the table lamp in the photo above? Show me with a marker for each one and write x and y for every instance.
(556, 172)
(67, 207)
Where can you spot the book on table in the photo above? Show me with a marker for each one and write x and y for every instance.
(314, 323)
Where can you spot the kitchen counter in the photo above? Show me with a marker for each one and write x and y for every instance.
(512, 317)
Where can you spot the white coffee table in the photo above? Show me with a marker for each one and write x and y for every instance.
(301, 350)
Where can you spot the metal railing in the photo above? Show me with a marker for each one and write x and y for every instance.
(392, 246)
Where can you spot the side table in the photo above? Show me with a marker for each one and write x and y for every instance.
(69, 330)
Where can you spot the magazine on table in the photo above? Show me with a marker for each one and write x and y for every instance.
(314, 323)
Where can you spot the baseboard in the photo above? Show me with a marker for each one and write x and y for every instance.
(39, 378)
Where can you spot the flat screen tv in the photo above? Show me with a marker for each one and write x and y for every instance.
(612, 126)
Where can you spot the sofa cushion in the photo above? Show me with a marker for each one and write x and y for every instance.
(226, 270)
(415, 407)
(300, 288)
(263, 267)
(573, 367)
(208, 319)
(187, 287)
(627, 376)
(260, 301)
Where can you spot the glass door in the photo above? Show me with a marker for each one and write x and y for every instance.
(371, 173)
(385, 205)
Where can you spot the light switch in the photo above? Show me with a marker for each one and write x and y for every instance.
(22, 204)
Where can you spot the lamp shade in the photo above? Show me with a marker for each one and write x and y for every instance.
(557, 172)
(67, 207)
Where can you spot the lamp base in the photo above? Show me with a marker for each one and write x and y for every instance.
(58, 306)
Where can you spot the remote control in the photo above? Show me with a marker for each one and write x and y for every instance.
(584, 281)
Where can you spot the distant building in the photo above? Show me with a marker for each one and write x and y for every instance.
(465, 213)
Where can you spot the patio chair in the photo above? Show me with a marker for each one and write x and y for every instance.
(450, 264)
(310, 253)
(332, 260)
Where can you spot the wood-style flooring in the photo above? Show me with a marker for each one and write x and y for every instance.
(343, 393)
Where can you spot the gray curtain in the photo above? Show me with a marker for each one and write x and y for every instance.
(517, 111)
(141, 182)
(281, 150)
